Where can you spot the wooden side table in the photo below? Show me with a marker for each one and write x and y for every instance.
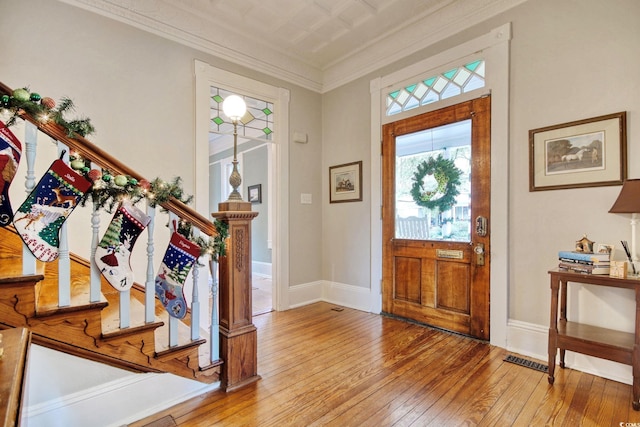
(622, 347)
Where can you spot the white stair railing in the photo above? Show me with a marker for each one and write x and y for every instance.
(205, 264)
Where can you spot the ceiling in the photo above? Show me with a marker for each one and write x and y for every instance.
(317, 44)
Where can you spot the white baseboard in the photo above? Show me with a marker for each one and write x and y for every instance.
(333, 292)
(262, 269)
(531, 340)
(127, 397)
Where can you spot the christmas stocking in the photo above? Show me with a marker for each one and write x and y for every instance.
(10, 152)
(177, 261)
(39, 218)
(114, 250)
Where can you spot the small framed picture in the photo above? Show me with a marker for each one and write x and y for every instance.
(255, 193)
(603, 248)
(345, 183)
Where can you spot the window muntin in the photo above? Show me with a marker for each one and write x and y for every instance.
(451, 83)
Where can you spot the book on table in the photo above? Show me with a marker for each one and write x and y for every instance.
(583, 263)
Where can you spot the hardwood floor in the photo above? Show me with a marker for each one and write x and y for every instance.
(323, 365)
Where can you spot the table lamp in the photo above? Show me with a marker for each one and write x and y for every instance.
(628, 202)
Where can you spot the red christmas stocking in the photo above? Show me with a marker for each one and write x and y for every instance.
(39, 218)
(10, 152)
(114, 250)
(175, 267)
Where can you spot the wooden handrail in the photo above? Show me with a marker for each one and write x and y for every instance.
(91, 152)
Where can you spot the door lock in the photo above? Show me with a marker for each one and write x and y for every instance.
(481, 226)
(479, 250)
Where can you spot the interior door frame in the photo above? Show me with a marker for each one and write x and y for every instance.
(494, 49)
(207, 76)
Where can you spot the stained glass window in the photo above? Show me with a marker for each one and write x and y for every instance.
(256, 123)
(446, 85)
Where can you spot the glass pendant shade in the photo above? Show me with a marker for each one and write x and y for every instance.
(234, 107)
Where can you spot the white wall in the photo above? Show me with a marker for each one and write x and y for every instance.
(570, 60)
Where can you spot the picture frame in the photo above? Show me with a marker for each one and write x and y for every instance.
(345, 182)
(254, 193)
(604, 248)
(584, 153)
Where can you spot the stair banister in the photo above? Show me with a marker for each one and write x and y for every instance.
(238, 348)
(31, 141)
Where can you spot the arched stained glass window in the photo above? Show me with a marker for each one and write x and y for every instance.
(256, 123)
(446, 85)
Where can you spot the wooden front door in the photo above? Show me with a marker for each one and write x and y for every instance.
(436, 255)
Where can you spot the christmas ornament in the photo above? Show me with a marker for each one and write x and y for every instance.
(77, 164)
(176, 264)
(10, 152)
(114, 250)
(94, 174)
(35, 97)
(441, 192)
(120, 180)
(48, 103)
(21, 95)
(39, 218)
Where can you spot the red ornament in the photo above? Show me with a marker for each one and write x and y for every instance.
(145, 185)
(94, 174)
(48, 103)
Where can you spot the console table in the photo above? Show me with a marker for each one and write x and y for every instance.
(605, 343)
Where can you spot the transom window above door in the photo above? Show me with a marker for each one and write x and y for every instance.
(257, 123)
(442, 86)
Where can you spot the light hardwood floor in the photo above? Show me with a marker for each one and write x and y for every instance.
(323, 365)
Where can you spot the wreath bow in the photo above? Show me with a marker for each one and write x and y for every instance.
(447, 178)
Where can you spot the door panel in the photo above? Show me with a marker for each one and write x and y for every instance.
(431, 271)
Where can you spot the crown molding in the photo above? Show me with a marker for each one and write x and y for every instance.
(161, 18)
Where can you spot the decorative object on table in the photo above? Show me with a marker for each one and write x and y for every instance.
(618, 269)
(10, 153)
(584, 263)
(176, 264)
(584, 245)
(345, 183)
(39, 218)
(604, 248)
(628, 202)
(583, 153)
(113, 253)
(255, 193)
(628, 252)
(435, 183)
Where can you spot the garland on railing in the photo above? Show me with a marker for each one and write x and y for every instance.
(43, 109)
(109, 190)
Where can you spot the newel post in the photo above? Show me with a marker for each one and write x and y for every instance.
(238, 335)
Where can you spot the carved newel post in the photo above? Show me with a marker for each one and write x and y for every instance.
(238, 335)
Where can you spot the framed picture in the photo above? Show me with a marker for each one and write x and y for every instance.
(255, 193)
(345, 183)
(604, 248)
(584, 153)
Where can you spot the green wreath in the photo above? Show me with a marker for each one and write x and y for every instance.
(447, 177)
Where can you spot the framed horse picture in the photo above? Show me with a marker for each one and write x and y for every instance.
(584, 153)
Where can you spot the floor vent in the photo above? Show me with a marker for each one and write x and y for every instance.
(527, 363)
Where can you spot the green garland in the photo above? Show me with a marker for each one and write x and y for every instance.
(447, 176)
(108, 190)
(43, 109)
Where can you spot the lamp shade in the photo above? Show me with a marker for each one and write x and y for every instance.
(628, 200)
(234, 107)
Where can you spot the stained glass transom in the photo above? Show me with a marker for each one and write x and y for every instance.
(256, 123)
(446, 85)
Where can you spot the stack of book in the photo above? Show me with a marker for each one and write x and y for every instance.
(580, 262)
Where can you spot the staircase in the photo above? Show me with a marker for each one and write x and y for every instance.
(68, 306)
(90, 329)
